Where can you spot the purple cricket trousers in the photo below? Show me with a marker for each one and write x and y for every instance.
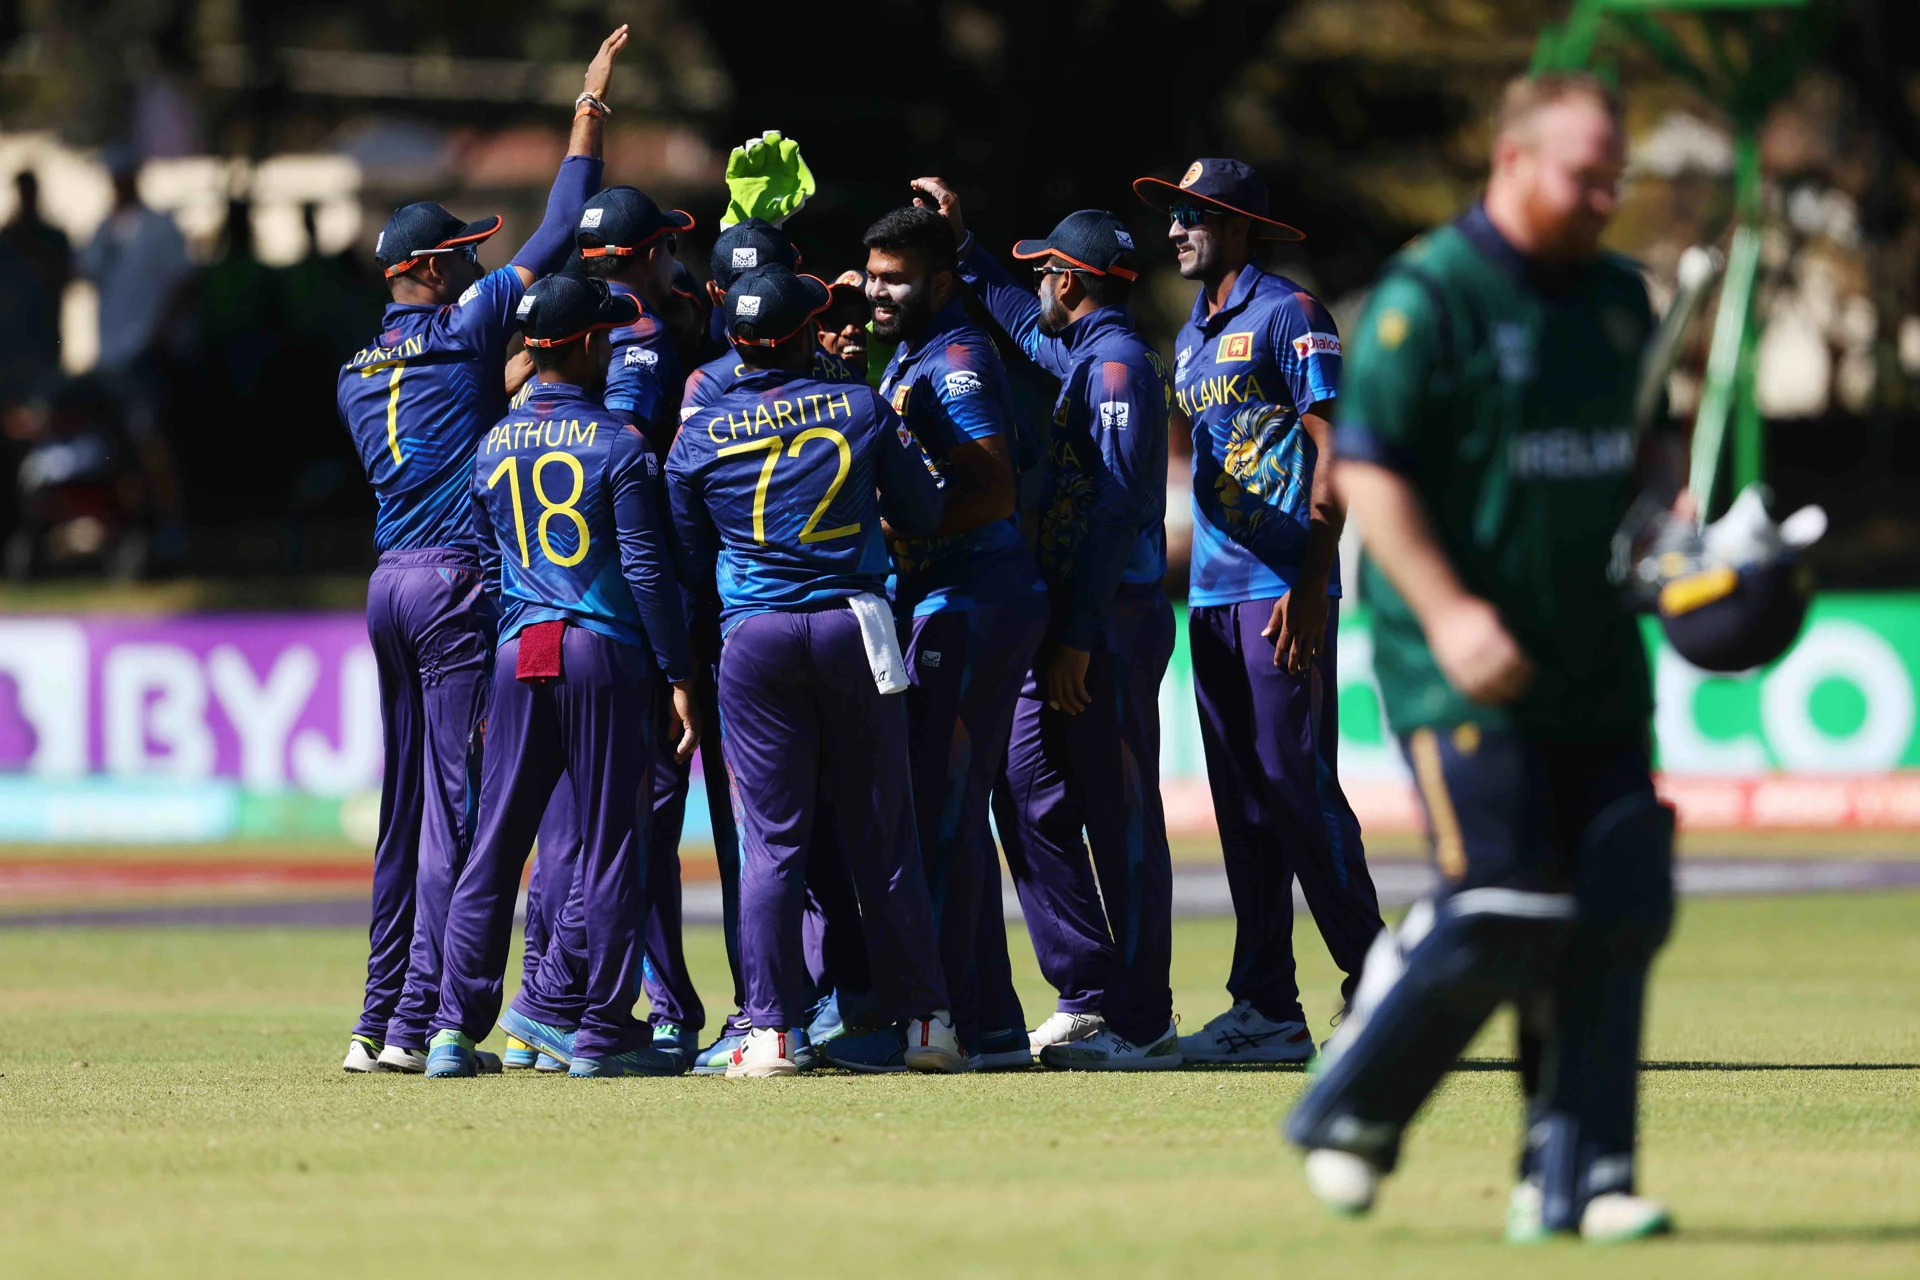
(803, 716)
(1271, 741)
(432, 630)
(592, 724)
(966, 669)
(1098, 772)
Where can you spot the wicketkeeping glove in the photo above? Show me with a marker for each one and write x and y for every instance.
(766, 178)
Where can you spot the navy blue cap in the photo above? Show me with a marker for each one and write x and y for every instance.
(768, 305)
(557, 309)
(683, 282)
(1092, 240)
(419, 230)
(1228, 186)
(621, 221)
(748, 246)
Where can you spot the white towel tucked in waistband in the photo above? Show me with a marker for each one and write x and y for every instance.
(883, 642)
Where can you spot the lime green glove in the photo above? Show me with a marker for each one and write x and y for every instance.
(766, 178)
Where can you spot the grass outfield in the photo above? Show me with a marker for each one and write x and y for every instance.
(171, 1104)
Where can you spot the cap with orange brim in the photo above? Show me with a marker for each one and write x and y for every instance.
(1226, 186)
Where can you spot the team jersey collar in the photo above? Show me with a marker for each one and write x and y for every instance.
(949, 317)
(1091, 326)
(767, 379)
(558, 392)
(1543, 277)
(1243, 287)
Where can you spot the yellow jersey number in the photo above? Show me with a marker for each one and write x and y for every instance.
(510, 468)
(774, 447)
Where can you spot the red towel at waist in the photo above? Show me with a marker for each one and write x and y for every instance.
(539, 652)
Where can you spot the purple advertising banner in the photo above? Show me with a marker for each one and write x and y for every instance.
(273, 702)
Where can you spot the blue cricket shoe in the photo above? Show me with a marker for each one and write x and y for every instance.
(634, 1062)
(1006, 1050)
(452, 1054)
(877, 1052)
(519, 1055)
(671, 1037)
(545, 1039)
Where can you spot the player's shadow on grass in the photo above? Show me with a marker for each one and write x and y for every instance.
(1509, 1064)
(1805, 1233)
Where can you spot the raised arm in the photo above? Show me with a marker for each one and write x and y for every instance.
(546, 250)
(1013, 307)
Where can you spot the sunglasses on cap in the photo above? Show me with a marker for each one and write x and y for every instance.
(1189, 215)
(468, 251)
(1060, 271)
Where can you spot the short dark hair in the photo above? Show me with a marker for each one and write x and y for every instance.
(919, 231)
(1106, 291)
(601, 265)
(545, 358)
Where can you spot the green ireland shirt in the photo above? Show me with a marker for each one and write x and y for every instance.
(1505, 398)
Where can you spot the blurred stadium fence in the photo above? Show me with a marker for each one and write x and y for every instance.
(267, 726)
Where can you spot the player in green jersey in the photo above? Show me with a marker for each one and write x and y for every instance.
(1488, 449)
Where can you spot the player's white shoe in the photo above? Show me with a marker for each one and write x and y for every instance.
(1342, 1181)
(1244, 1034)
(1063, 1028)
(764, 1053)
(933, 1045)
(1106, 1050)
(363, 1056)
(1616, 1217)
(410, 1062)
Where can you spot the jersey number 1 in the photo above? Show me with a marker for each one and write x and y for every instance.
(812, 532)
(510, 468)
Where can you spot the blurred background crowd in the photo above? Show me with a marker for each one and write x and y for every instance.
(190, 191)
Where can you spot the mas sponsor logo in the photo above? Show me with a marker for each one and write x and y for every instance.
(1113, 414)
(641, 356)
(748, 304)
(964, 382)
(746, 258)
(590, 218)
(526, 306)
(473, 291)
(1234, 346)
(1316, 344)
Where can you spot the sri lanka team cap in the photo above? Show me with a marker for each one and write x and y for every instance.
(849, 292)
(1092, 240)
(557, 309)
(422, 230)
(620, 221)
(1228, 186)
(683, 282)
(767, 306)
(748, 245)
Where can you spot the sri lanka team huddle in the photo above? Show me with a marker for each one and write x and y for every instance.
(682, 519)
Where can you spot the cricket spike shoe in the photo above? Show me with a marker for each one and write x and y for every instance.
(1616, 1217)
(1003, 1051)
(519, 1055)
(875, 1053)
(1244, 1034)
(363, 1055)
(762, 1054)
(1107, 1050)
(933, 1045)
(1062, 1027)
(634, 1062)
(713, 1060)
(545, 1038)
(406, 1062)
(451, 1054)
(1344, 1182)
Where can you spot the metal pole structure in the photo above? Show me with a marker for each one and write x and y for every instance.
(1745, 90)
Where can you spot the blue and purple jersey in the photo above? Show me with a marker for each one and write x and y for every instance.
(776, 482)
(1103, 516)
(571, 516)
(644, 377)
(722, 374)
(1272, 343)
(950, 388)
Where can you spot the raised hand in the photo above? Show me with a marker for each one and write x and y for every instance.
(600, 70)
(946, 200)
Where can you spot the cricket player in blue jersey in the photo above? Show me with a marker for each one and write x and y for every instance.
(1085, 751)
(969, 597)
(746, 246)
(774, 486)
(1257, 368)
(417, 400)
(570, 512)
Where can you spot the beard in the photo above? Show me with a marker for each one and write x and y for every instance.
(1054, 318)
(1566, 236)
(911, 315)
